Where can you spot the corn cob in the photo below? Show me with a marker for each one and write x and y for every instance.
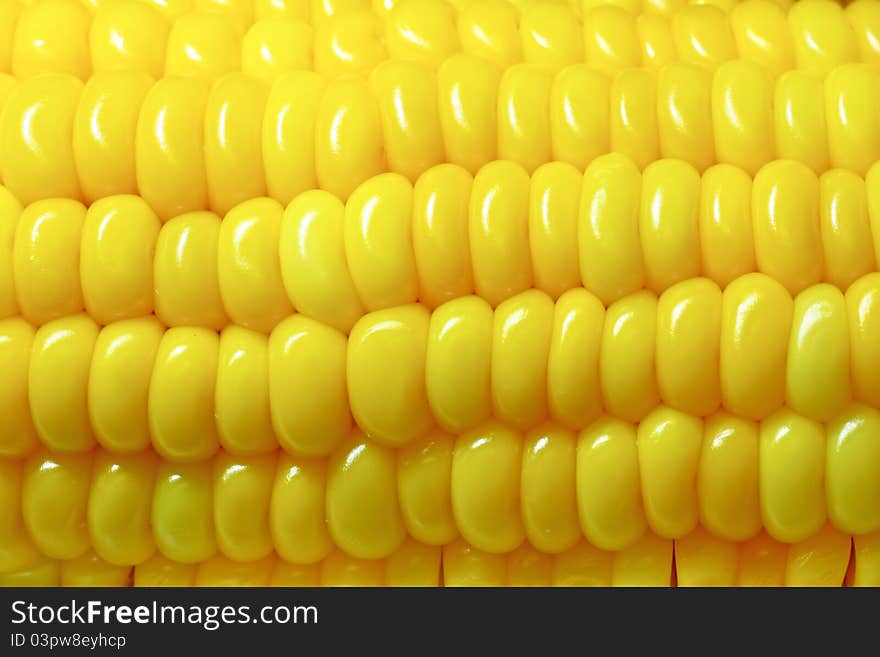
(651, 494)
(222, 37)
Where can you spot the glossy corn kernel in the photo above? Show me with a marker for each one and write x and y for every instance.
(36, 138)
(116, 255)
(58, 381)
(182, 514)
(386, 374)
(123, 357)
(169, 147)
(104, 132)
(181, 394)
(51, 36)
(129, 36)
(608, 486)
(424, 489)
(202, 45)
(120, 505)
(363, 514)
(185, 272)
(297, 510)
(54, 502)
(90, 570)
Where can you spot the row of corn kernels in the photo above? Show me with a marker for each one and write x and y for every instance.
(186, 145)
(750, 349)
(411, 565)
(317, 12)
(825, 559)
(62, 36)
(493, 486)
(612, 231)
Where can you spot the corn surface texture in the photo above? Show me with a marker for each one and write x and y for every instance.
(439, 293)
